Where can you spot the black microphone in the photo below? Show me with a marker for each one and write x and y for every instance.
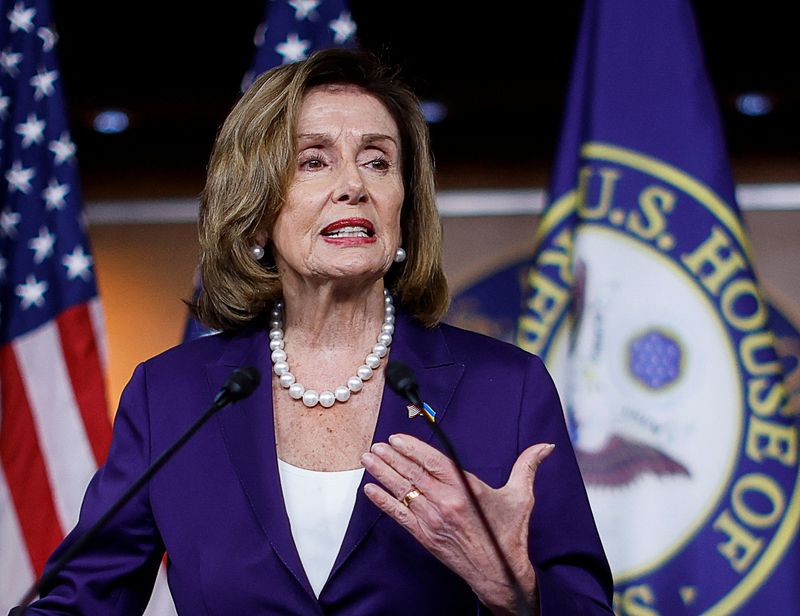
(241, 383)
(403, 382)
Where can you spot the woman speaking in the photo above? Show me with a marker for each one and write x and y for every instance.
(318, 494)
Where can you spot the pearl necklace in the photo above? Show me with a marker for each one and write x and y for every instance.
(354, 384)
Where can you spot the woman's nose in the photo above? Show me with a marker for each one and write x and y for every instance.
(351, 188)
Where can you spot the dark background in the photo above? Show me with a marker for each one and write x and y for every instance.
(500, 68)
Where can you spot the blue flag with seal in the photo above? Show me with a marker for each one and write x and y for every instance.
(290, 31)
(643, 301)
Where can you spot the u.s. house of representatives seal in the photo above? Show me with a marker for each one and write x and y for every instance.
(645, 308)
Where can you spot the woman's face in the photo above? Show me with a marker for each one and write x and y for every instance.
(341, 218)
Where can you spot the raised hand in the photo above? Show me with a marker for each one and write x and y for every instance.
(423, 492)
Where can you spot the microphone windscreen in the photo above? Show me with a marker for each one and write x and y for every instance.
(401, 379)
(242, 382)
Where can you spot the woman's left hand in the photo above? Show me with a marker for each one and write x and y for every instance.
(444, 521)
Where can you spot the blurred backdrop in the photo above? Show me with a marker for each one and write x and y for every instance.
(499, 73)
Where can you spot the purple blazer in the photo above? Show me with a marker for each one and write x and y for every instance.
(217, 506)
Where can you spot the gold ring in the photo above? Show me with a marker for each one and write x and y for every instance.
(410, 495)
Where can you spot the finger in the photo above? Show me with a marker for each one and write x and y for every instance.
(523, 472)
(427, 457)
(393, 507)
(393, 481)
(405, 467)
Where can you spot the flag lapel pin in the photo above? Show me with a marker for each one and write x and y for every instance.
(414, 410)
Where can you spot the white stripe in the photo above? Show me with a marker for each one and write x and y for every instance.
(16, 570)
(155, 211)
(768, 197)
(65, 445)
(507, 202)
(99, 327)
(161, 600)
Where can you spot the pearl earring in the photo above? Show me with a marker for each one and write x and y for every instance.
(257, 252)
(399, 255)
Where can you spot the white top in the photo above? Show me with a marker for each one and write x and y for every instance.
(319, 505)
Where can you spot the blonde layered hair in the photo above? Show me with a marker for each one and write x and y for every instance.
(249, 173)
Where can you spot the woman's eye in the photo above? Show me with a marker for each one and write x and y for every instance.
(312, 164)
(380, 164)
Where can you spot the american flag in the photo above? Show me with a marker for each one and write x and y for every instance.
(292, 29)
(289, 32)
(54, 426)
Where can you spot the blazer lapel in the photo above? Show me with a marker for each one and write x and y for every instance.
(426, 353)
(249, 433)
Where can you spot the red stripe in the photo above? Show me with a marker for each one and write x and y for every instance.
(83, 363)
(24, 467)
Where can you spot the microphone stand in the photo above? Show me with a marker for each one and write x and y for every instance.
(408, 389)
(238, 386)
(522, 604)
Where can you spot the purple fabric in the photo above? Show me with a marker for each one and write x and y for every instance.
(217, 506)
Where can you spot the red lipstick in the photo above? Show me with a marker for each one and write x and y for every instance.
(350, 222)
(349, 232)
